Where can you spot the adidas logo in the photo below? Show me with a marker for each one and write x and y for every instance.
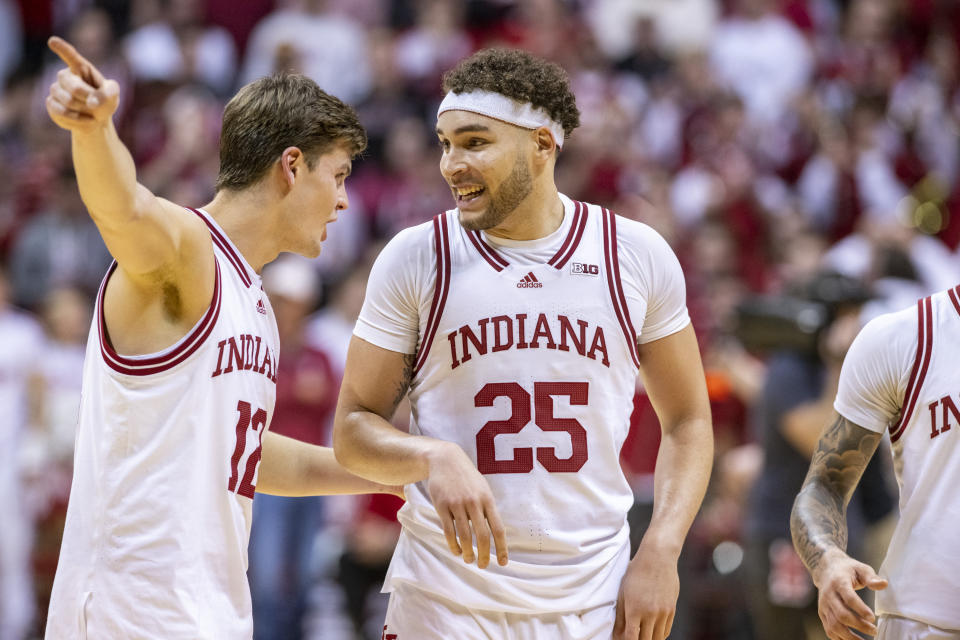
(529, 281)
(260, 308)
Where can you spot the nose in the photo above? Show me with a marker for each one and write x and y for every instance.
(452, 164)
(342, 200)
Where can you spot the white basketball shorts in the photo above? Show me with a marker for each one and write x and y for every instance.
(414, 614)
(897, 628)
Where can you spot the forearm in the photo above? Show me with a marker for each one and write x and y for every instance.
(683, 470)
(289, 467)
(368, 445)
(106, 175)
(818, 523)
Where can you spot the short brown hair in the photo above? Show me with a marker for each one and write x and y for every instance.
(273, 113)
(521, 76)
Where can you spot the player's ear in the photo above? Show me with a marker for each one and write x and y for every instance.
(546, 146)
(291, 163)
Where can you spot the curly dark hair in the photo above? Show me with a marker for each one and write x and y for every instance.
(521, 76)
(276, 112)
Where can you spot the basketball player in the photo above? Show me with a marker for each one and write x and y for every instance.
(180, 372)
(901, 376)
(518, 323)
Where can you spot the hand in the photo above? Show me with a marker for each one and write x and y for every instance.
(463, 499)
(81, 99)
(648, 596)
(839, 606)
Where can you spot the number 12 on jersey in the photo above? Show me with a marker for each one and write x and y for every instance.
(522, 407)
(257, 421)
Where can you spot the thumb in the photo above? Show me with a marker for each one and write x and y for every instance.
(105, 98)
(876, 583)
(867, 577)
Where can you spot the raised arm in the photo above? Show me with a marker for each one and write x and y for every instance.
(374, 383)
(164, 252)
(673, 376)
(818, 524)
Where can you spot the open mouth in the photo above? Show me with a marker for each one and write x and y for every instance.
(466, 195)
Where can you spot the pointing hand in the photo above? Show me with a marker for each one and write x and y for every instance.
(81, 99)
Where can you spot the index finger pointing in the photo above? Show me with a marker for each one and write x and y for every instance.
(67, 53)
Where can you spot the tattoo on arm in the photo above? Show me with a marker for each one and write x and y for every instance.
(404, 383)
(819, 520)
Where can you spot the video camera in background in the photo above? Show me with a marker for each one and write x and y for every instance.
(794, 321)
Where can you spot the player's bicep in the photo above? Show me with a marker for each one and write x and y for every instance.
(375, 379)
(156, 237)
(842, 453)
(672, 375)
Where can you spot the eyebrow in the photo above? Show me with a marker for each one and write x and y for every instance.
(467, 128)
(348, 168)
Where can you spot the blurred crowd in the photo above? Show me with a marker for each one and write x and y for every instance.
(796, 154)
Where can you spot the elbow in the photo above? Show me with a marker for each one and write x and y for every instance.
(344, 445)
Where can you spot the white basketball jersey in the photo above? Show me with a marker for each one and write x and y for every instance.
(922, 562)
(531, 369)
(167, 454)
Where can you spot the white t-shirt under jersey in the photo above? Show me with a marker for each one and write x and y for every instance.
(401, 282)
(541, 411)
(906, 363)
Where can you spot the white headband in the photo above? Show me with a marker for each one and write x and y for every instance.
(500, 107)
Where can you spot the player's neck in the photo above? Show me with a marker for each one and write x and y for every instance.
(245, 217)
(539, 215)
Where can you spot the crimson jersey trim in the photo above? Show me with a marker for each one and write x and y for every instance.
(920, 365)
(955, 298)
(227, 248)
(615, 285)
(187, 346)
(572, 241)
(559, 259)
(441, 241)
(493, 258)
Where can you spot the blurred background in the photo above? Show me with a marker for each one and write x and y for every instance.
(800, 156)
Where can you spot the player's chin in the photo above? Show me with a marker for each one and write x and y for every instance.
(311, 250)
(474, 220)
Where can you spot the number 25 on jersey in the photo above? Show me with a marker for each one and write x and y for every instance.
(522, 406)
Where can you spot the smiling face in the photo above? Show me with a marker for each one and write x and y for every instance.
(318, 195)
(487, 165)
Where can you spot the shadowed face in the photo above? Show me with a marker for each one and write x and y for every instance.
(486, 165)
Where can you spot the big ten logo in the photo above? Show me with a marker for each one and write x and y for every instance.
(584, 269)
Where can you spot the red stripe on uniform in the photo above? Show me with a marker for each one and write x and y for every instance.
(619, 282)
(226, 248)
(955, 297)
(440, 289)
(489, 254)
(577, 214)
(157, 364)
(920, 365)
(613, 283)
(577, 230)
